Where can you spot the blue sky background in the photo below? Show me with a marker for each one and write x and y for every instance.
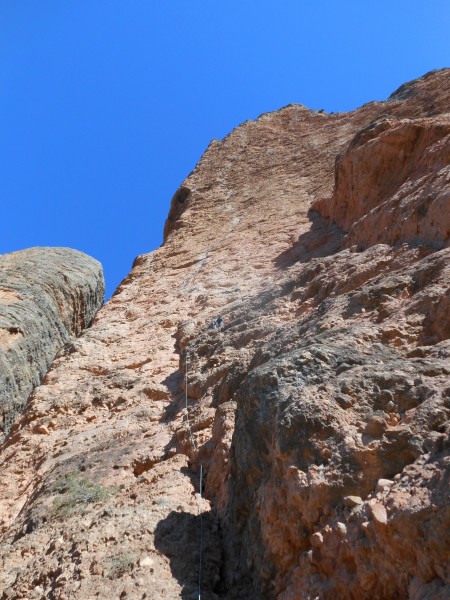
(107, 105)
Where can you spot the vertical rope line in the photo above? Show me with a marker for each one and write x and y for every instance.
(188, 280)
(201, 538)
(191, 435)
(186, 386)
(194, 446)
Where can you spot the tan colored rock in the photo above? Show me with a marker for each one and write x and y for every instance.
(378, 512)
(42, 429)
(383, 183)
(352, 501)
(383, 485)
(320, 335)
(316, 539)
(147, 561)
(376, 426)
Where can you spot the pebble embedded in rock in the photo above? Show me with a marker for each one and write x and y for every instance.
(376, 426)
(147, 561)
(352, 501)
(383, 485)
(316, 539)
(378, 513)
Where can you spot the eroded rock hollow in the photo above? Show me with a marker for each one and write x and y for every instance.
(290, 341)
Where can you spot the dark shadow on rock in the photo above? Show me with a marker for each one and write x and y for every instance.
(184, 538)
(194, 477)
(173, 384)
(324, 238)
(177, 405)
(173, 381)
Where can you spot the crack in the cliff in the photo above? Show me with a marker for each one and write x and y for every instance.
(186, 286)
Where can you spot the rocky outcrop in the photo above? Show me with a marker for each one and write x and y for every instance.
(47, 297)
(339, 467)
(317, 414)
(392, 183)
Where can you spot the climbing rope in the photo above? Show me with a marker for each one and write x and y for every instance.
(189, 281)
(201, 539)
(191, 436)
(194, 446)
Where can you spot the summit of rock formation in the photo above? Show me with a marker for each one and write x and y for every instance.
(48, 296)
(300, 448)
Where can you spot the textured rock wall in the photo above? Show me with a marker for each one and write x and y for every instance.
(47, 297)
(392, 183)
(319, 412)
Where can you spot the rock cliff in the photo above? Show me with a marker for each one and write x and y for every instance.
(47, 297)
(316, 415)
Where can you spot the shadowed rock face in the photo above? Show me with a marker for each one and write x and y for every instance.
(318, 411)
(392, 183)
(47, 297)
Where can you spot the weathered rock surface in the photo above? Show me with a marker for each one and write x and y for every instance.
(47, 297)
(319, 412)
(392, 183)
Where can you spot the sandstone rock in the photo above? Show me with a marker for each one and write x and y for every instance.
(271, 417)
(341, 528)
(378, 513)
(316, 539)
(376, 426)
(47, 297)
(42, 429)
(379, 196)
(352, 501)
(383, 485)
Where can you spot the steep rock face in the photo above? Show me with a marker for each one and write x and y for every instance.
(392, 183)
(318, 413)
(47, 296)
(339, 400)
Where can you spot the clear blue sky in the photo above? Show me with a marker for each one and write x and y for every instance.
(107, 105)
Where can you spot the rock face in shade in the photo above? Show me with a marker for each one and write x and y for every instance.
(319, 412)
(392, 183)
(47, 297)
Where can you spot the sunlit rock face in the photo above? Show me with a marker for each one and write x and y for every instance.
(48, 296)
(317, 410)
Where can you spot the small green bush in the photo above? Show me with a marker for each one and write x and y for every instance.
(77, 491)
(121, 564)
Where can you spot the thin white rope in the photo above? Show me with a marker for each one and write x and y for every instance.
(194, 445)
(201, 538)
(189, 280)
(191, 435)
